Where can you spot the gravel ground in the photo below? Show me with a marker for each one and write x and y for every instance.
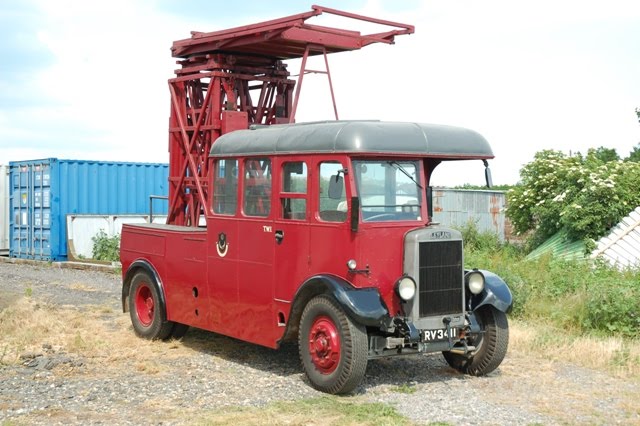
(209, 371)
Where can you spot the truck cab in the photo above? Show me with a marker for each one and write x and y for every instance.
(321, 233)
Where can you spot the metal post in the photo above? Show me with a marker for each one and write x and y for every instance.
(151, 198)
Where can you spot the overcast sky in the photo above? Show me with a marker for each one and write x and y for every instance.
(88, 79)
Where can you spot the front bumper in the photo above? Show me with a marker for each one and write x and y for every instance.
(441, 334)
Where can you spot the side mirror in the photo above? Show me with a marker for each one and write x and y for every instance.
(336, 187)
(430, 202)
(487, 174)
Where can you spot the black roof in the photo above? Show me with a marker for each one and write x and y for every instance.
(359, 137)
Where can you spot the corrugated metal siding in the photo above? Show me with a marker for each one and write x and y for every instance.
(43, 192)
(560, 248)
(4, 210)
(621, 247)
(456, 207)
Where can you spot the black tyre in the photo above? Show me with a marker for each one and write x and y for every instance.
(491, 344)
(145, 309)
(333, 348)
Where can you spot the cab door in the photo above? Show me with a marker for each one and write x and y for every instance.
(291, 232)
(254, 320)
(331, 239)
(222, 246)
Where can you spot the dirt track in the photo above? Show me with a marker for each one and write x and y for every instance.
(90, 368)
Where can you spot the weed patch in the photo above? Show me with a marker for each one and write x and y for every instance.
(326, 410)
(586, 298)
(106, 247)
(405, 388)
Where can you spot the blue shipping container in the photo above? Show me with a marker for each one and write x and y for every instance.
(44, 192)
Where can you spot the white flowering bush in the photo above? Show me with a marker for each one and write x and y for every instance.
(584, 196)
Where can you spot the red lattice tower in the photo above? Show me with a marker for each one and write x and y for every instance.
(233, 78)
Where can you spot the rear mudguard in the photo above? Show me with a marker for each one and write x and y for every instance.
(143, 265)
(496, 293)
(363, 305)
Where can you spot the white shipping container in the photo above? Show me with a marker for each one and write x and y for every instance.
(4, 210)
(82, 228)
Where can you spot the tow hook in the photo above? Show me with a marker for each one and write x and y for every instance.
(465, 349)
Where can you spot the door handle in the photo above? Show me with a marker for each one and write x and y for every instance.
(279, 236)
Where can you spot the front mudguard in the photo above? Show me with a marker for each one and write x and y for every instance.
(363, 305)
(496, 293)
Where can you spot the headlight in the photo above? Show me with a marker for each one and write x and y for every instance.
(475, 282)
(406, 288)
(351, 264)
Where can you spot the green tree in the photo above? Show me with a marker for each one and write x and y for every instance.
(584, 196)
(604, 155)
(634, 155)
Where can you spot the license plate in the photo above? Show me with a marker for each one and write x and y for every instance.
(433, 335)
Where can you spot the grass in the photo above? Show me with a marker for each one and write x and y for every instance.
(405, 388)
(616, 355)
(26, 325)
(325, 410)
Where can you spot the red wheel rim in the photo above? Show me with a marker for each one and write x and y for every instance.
(144, 305)
(324, 345)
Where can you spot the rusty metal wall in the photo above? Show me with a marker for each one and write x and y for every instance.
(456, 207)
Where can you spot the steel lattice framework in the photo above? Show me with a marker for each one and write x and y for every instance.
(233, 78)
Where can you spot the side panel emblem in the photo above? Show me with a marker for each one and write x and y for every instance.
(222, 246)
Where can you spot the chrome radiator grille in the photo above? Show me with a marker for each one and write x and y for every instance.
(440, 277)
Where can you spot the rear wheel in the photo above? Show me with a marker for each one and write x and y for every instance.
(491, 344)
(333, 348)
(145, 309)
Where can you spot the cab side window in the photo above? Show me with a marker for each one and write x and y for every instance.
(225, 186)
(293, 194)
(257, 187)
(333, 199)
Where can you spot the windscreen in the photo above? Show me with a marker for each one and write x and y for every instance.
(389, 190)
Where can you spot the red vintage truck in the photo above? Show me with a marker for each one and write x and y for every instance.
(319, 233)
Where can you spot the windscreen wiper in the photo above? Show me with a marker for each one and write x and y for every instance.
(403, 170)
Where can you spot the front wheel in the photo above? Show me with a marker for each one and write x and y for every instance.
(333, 348)
(491, 344)
(145, 307)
